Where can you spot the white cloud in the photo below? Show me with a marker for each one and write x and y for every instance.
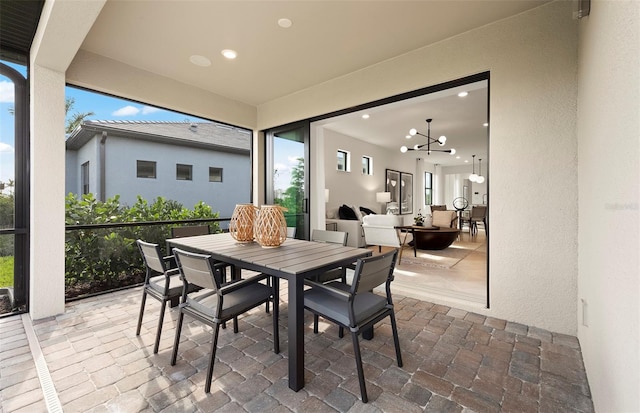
(293, 159)
(126, 111)
(5, 148)
(280, 167)
(149, 109)
(6, 92)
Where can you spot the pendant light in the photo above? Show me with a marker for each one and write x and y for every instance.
(473, 177)
(480, 178)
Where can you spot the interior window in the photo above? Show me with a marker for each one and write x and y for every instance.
(343, 161)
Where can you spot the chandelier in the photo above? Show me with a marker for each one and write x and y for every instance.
(427, 146)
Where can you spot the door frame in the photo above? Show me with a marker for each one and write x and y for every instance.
(304, 127)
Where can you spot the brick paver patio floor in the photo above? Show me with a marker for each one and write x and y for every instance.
(453, 361)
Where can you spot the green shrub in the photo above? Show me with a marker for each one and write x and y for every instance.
(109, 258)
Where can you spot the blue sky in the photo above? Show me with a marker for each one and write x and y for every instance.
(104, 108)
(111, 108)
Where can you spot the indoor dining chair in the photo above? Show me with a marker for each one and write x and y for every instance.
(357, 308)
(217, 303)
(160, 282)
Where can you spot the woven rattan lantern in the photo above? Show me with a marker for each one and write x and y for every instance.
(242, 222)
(270, 228)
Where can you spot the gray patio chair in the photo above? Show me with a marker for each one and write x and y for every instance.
(332, 237)
(217, 303)
(357, 308)
(160, 282)
(190, 231)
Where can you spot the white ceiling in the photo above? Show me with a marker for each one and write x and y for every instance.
(327, 39)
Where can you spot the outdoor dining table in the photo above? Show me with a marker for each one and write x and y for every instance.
(294, 260)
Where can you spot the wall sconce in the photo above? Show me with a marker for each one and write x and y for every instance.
(326, 195)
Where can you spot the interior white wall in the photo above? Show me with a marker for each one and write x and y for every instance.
(532, 59)
(354, 188)
(609, 150)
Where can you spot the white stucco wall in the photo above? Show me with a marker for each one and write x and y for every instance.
(609, 183)
(532, 59)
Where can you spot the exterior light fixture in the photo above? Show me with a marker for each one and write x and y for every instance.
(427, 146)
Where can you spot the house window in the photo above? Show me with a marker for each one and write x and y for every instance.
(367, 165)
(215, 174)
(428, 190)
(84, 177)
(344, 161)
(184, 172)
(146, 169)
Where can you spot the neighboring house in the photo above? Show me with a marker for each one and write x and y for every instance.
(184, 161)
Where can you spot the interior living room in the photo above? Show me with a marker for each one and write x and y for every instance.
(563, 137)
(368, 139)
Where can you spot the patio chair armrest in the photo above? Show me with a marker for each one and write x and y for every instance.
(169, 258)
(235, 285)
(330, 290)
(172, 272)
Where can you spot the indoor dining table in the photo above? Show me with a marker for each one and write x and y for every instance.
(294, 260)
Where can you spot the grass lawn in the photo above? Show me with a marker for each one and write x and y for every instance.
(6, 272)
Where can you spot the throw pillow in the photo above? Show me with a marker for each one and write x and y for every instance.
(358, 213)
(367, 211)
(345, 212)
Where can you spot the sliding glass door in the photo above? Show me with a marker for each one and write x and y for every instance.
(287, 174)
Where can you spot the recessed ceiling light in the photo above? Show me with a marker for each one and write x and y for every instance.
(457, 157)
(463, 94)
(485, 124)
(466, 161)
(365, 116)
(200, 60)
(229, 54)
(408, 136)
(284, 23)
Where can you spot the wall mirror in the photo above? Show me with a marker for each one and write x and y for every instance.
(406, 193)
(392, 182)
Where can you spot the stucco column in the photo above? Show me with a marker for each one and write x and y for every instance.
(47, 168)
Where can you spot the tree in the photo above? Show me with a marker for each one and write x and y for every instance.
(293, 196)
(75, 119)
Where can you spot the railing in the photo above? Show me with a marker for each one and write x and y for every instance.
(102, 258)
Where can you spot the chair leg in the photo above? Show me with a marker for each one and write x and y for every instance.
(176, 342)
(315, 324)
(160, 321)
(266, 305)
(340, 332)
(276, 315)
(235, 325)
(144, 300)
(358, 356)
(396, 340)
(214, 345)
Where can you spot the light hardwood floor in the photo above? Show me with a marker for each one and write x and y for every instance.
(464, 283)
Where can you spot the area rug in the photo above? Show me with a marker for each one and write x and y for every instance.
(445, 258)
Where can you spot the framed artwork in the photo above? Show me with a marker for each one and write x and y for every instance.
(406, 193)
(392, 185)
